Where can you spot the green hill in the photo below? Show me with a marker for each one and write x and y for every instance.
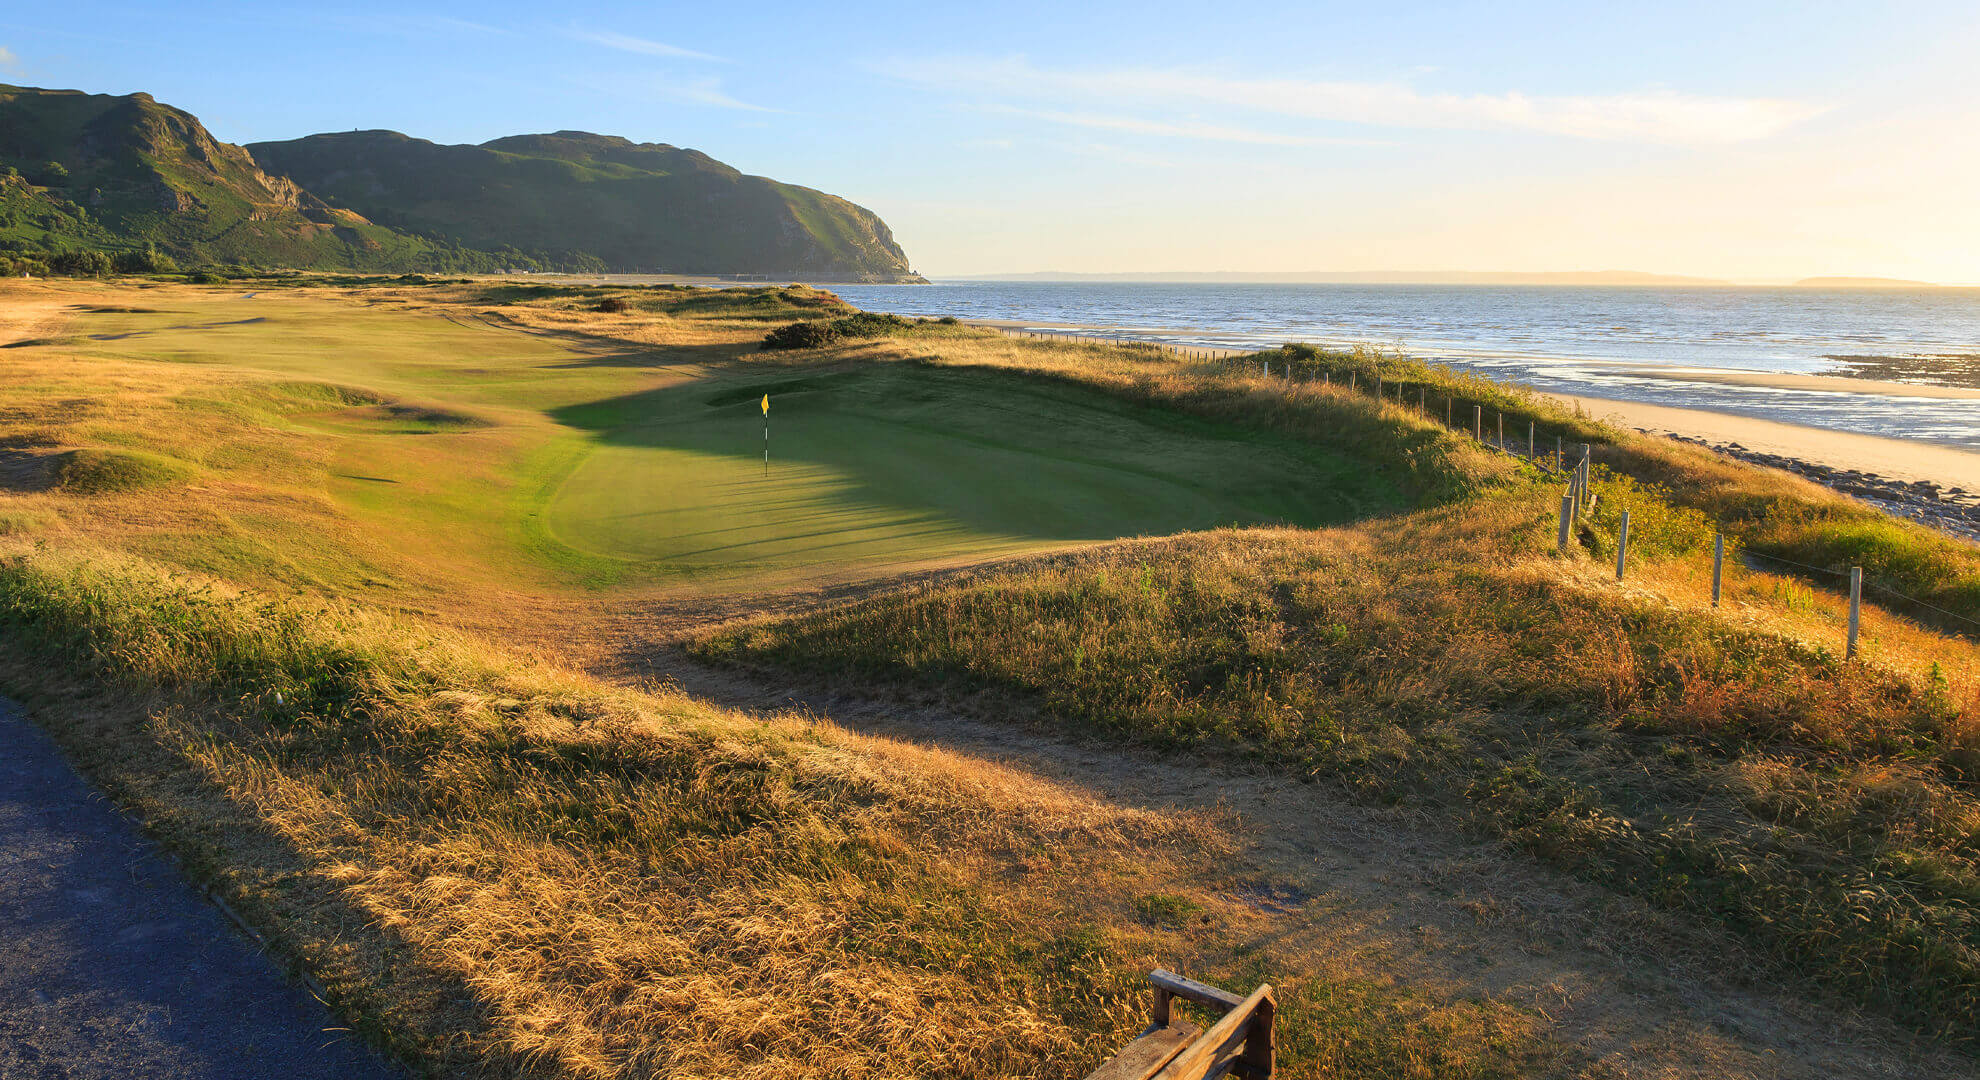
(105, 172)
(637, 206)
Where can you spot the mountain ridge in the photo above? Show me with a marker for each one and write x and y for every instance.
(651, 207)
(126, 173)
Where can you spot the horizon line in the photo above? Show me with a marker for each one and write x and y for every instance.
(1421, 277)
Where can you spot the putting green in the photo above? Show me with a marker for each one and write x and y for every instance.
(914, 464)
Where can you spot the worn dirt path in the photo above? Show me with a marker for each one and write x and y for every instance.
(1387, 892)
(113, 966)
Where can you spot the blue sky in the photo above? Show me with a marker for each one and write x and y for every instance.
(1753, 141)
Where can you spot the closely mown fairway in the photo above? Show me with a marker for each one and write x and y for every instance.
(905, 464)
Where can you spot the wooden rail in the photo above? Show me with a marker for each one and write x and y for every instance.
(1238, 1044)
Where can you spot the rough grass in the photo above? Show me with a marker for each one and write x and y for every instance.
(498, 869)
(1449, 661)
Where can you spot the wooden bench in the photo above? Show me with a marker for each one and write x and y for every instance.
(1239, 1044)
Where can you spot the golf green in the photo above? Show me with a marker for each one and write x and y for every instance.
(919, 464)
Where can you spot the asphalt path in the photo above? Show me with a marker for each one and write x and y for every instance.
(113, 965)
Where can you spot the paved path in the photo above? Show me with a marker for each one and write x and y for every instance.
(112, 965)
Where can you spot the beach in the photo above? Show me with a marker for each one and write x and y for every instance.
(1935, 485)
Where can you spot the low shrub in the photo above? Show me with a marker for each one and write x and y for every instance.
(816, 334)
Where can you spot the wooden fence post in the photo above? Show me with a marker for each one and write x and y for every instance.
(1447, 410)
(1622, 545)
(1378, 388)
(1261, 1052)
(1855, 608)
(1502, 430)
(1718, 564)
(1559, 461)
(1421, 394)
(1478, 422)
(1530, 431)
(1567, 514)
(1352, 380)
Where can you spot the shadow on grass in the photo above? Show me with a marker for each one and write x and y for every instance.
(992, 453)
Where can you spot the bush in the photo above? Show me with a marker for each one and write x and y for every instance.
(614, 305)
(207, 277)
(1658, 524)
(814, 335)
(148, 261)
(81, 264)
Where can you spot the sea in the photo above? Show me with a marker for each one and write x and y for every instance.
(1589, 341)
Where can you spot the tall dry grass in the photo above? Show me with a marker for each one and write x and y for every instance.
(498, 869)
(1448, 660)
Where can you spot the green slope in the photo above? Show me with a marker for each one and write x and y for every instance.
(896, 466)
(634, 205)
(108, 172)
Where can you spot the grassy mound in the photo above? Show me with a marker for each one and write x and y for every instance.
(108, 472)
(1449, 661)
(883, 463)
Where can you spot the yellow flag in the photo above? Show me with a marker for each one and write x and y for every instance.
(766, 404)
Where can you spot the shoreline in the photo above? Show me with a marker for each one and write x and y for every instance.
(1934, 485)
(1780, 380)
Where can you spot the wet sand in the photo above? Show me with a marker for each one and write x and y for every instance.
(1838, 384)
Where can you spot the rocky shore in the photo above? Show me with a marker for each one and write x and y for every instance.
(1953, 510)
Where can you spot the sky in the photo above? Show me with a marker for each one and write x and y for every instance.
(1749, 141)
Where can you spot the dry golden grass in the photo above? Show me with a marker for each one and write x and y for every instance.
(507, 870)
(1724, 766)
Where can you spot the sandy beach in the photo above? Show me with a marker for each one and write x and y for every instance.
(1896, 459)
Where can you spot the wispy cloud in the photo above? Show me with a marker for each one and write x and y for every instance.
(419, 25)
(1188, 130)
(642, 46)
(1654, 116)
(8, 60)
(708, 92)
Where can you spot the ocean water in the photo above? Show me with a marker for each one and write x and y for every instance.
(1592, 341)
